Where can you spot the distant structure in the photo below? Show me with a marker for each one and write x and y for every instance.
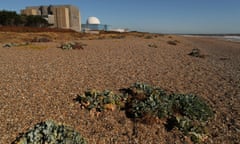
(120, 30)
(93, 24)
(60, 16)
(93, 20)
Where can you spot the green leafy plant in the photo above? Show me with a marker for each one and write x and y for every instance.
(8, 45)
(50, 133)
(191, 106)
(186, 112)
(196, 53)
(93, 99)
(192, 128)
(67, 46)
(142, 102)
(72, 45)
(144, 99)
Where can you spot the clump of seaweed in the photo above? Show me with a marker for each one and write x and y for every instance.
(93, 99)
(50, 133)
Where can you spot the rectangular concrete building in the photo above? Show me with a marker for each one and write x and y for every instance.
(60, 16)
(74, 17)
(30, 12)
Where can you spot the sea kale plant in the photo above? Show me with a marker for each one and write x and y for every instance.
(190, 106)
(186, 112)
(72, 45)
(196, 53)
(144, 99)
(190, 115)
(50, 133)
(93, 99)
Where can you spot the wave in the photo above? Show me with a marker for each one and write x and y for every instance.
(232, 38)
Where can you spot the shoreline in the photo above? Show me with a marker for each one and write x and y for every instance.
(233, 38)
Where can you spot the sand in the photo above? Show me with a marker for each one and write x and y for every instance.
(38, 84)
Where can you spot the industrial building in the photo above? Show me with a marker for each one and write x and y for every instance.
(59, 16)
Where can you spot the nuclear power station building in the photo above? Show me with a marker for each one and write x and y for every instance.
(93, 24)
(60, 16)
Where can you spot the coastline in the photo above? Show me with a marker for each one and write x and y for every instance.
(234, 38)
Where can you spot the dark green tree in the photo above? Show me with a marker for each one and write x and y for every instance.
(11, 18)
(36, 21)
(7, 18)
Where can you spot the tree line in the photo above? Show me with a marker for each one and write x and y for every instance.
(11, 18)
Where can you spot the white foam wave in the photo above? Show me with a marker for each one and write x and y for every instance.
(232, 38)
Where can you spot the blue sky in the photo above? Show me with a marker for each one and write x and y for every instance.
(159, 16)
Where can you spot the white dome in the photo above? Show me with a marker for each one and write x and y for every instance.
(93, 20)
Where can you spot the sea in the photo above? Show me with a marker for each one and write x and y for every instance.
(234, 38)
